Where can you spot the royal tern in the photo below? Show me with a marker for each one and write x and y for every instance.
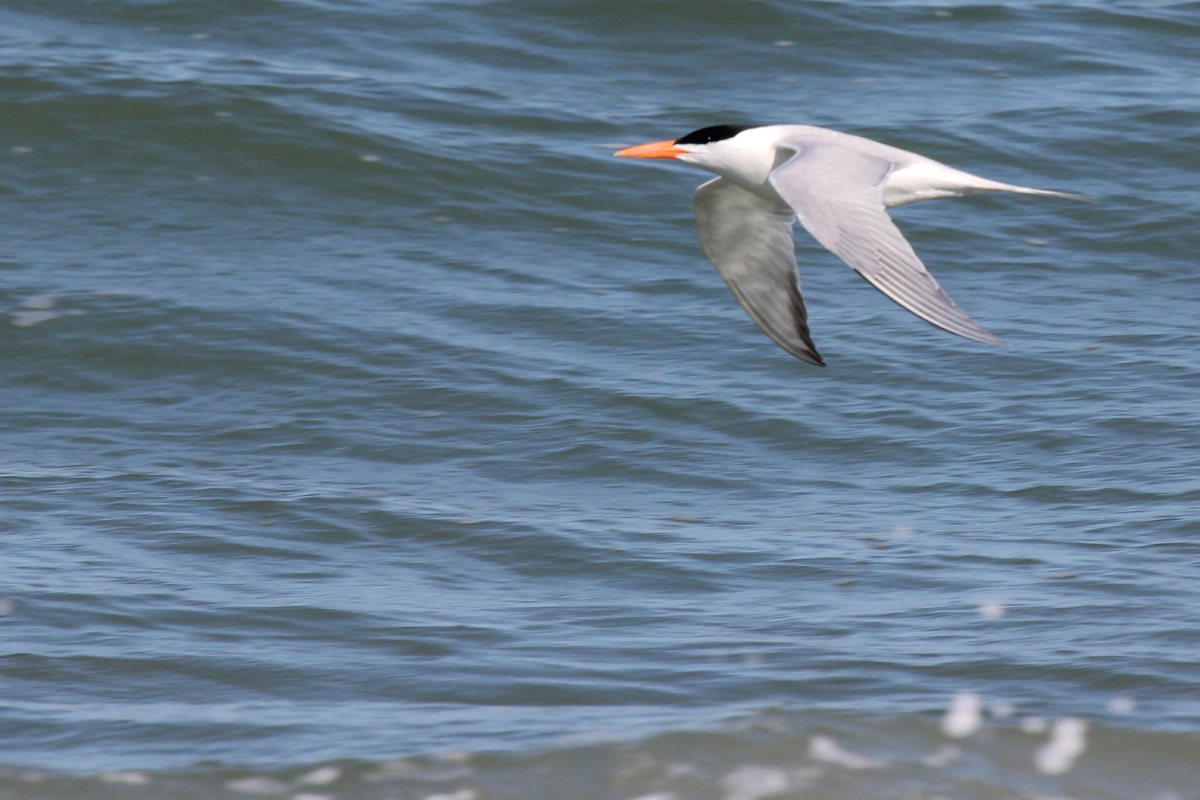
(839, 186)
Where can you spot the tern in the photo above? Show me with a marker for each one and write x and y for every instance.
(839, 186)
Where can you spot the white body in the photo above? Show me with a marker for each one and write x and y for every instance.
(748, 159)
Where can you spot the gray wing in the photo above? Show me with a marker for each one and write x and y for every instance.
(749, 240)
(837, 192)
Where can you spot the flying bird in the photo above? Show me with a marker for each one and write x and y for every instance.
(839, 187)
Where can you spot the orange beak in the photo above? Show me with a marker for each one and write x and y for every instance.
(665, 149)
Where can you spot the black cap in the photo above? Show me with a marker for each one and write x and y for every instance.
(714, 133)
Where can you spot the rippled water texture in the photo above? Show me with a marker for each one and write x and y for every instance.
(362, 414)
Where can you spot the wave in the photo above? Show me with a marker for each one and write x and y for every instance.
(765, 753)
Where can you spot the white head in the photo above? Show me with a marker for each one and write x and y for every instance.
(742, 153)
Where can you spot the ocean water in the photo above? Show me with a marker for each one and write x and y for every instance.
(369, 431)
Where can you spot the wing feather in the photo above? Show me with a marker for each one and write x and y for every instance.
(749, 241)
(837, 193)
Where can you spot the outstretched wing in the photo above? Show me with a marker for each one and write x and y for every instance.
(837, 193)
(749, 240)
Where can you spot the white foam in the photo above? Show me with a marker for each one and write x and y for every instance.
(41, 301)
(1122, 705)
(1067, 743)
(753, 782)
(964, 716)
(320, 776)
(127, 778)
(992, 610)
(824, 748)
(461, 794)
(256, 785)
(26, 319)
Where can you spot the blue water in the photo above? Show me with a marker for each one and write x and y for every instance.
(362, 413)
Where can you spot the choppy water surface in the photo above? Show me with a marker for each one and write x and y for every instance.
(369, 431)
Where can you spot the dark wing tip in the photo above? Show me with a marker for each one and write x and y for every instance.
(808, 355)
(800, 317)
(805, 350)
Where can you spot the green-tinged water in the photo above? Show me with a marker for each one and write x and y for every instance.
(367, 430)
